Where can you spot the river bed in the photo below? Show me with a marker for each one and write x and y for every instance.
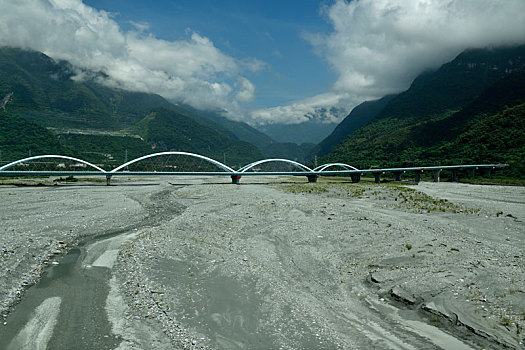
(200, 263)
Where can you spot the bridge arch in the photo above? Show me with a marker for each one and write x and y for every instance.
(323, 167)
(299, 166)
(209, 160)
(46, 156)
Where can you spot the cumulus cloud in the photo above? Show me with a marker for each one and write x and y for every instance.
(191, 71)
(246, 90)
(378, 47)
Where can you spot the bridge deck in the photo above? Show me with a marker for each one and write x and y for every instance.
(247, 170)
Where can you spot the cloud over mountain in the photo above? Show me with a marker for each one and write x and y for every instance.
(192, 71)
(322, 108)
(378, 47)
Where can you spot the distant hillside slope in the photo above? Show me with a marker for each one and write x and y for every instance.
(167, 130)
(20, 138)
(289, 150)
(309, 132)
(238, 130)
(437, 107)
(45, 93)
(111, 150)
(454, 84)
(99, 122)
(359, 116)
(489, 129)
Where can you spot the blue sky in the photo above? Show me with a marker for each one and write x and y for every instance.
(272, 31)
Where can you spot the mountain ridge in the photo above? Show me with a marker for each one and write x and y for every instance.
(399, 136)
(83, 114)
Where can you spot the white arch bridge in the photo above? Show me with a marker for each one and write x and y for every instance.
(184, 163)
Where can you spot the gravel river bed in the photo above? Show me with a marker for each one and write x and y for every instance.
(272, 263)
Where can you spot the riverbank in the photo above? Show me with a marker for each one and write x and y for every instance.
(58, 246)
(293, 265)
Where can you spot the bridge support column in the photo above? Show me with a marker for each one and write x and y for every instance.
(312, 178)
(108, 180)
(377, 177)
(471, 172)
(455, 175)
(398, 175)
(235, 179)
(436, 175)
(417, 177)
(355, 178)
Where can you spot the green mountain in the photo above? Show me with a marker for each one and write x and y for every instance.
(432, 121)
(45, 93)
(110, 150)
(269, 147)
(237, 130)
(298, 133)
(289, 150)
(20, 138)
(100, 124)
(166, 130)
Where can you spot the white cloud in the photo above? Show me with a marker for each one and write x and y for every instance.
(378, 47)
(140, 26)
(246, 90)
(192, 71)
(325, 108)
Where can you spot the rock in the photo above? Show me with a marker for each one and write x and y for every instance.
(403, 296)
(374, 279)
(379, 277)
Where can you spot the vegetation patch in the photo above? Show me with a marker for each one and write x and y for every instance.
(394, 195)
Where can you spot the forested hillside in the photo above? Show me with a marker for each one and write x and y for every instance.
(448, 116)
(56, 108)
(166, 130)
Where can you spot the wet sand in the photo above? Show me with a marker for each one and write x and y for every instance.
(285, 265)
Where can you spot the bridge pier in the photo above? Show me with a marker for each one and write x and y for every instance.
(235, 179)
(312, 178)
(417, 177)
(436, 175)
(355, 178)
(377, 177)
(108, 180)
(455, 175)
(398, 175)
